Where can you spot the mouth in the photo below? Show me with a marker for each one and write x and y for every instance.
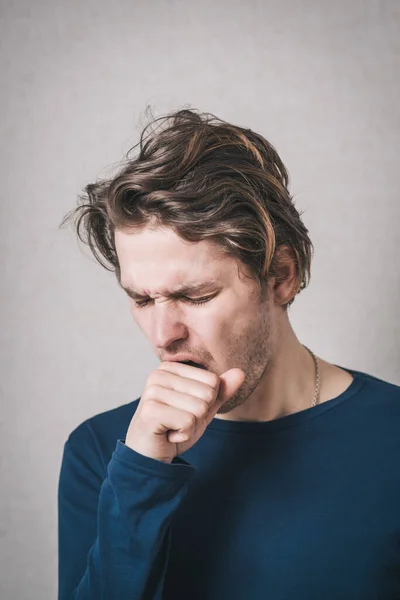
(191, 363)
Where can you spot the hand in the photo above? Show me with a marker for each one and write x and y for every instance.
(178, 403)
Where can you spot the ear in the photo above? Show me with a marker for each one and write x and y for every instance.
(284, 284)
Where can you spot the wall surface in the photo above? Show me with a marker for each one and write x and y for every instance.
(319, 79)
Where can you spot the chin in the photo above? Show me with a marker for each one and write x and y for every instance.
(229, 406)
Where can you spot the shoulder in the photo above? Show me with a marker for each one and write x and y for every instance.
(379, 389)
(97, 436)
(378, 401)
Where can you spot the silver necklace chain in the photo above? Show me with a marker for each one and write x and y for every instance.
(317, 376)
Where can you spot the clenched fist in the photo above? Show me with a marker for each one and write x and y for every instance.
(178, 403)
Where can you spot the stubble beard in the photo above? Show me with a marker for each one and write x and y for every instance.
(252, 353)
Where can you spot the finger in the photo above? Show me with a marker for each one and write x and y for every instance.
(190, 372)
(185, 385)
(199, 407)
(230, 382)
(161, 417)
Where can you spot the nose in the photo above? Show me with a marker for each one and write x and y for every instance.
(167, 326)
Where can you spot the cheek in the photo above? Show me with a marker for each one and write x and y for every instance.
(218, 327)
(244, 324)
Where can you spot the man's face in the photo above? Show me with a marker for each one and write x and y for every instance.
(231, 328)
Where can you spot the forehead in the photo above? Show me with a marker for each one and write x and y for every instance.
(158, 259)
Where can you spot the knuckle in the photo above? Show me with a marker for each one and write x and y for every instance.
(203, 408)
(150, 379)
(189, 421)
(214, 380)
(149, 407)
(151, 391)
(208, 396)
(155, 377)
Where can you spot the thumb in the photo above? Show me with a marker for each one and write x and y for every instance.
(230, 382)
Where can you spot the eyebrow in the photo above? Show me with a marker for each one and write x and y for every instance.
(181, 291)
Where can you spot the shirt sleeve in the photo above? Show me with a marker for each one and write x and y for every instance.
(114, 534)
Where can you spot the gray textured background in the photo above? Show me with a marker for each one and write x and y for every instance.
(319, 79)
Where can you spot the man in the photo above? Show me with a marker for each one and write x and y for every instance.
(249, 468)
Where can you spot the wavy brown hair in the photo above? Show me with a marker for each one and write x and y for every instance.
(203, 178)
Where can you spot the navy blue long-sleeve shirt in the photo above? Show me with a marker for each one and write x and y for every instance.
(304, 507)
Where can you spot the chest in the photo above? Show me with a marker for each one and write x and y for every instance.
(295, 533)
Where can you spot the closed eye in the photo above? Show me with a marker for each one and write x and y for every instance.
(143, 303)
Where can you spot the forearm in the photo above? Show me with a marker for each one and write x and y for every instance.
(129, 555)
